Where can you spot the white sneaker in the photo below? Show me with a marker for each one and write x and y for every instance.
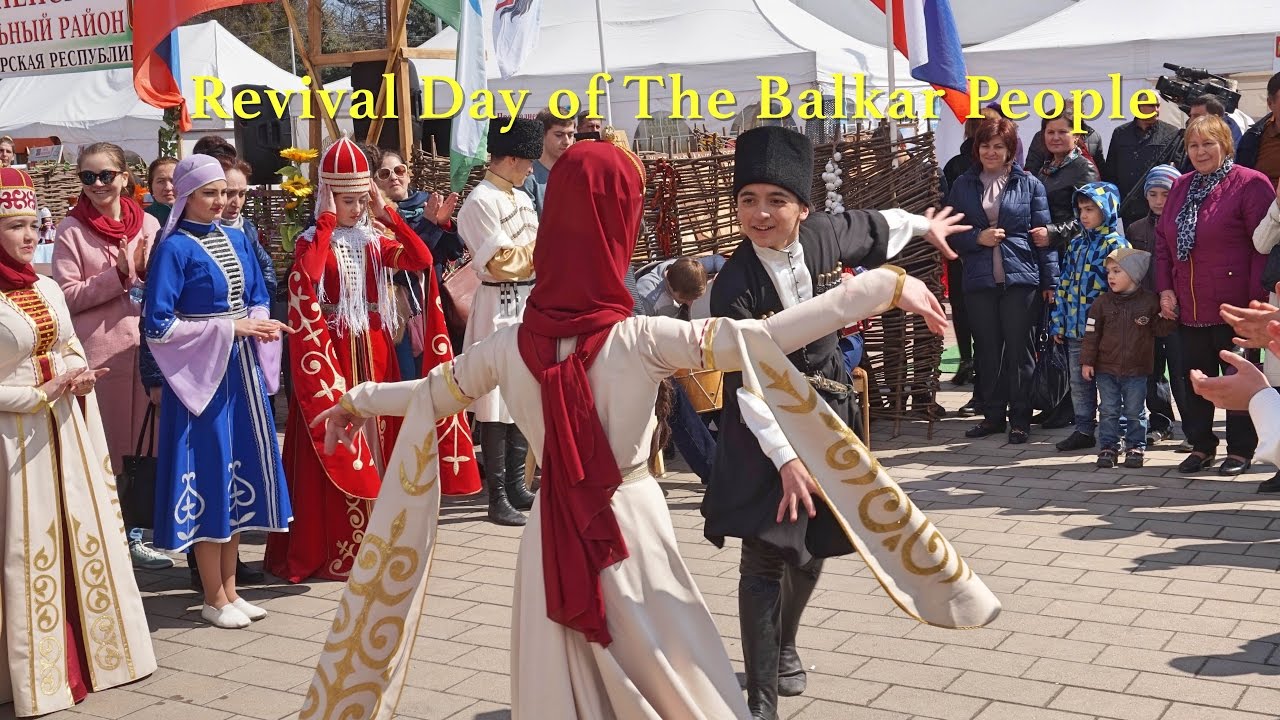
(227, 617)
(251, 611)
(147, 558)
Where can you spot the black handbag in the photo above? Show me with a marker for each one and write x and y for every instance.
(1050, 380)
(137, 484)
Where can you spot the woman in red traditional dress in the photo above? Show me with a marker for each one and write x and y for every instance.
(342, 303)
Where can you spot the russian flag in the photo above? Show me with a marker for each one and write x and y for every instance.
(925, 32)
(156, 76)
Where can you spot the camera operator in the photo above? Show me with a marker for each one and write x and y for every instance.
(1259, 146)
(1136, 147)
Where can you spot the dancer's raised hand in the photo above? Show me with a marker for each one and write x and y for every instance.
(919, 299)
(340, 426)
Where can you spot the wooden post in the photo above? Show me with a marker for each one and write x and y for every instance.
(314, 19)
(397, 36)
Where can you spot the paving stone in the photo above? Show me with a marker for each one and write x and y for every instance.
(1109, 705)
(966, 658)
(929, 704)
(1059, 648)
(1080, 674)
(1182, 711)
(1186, 689)
(1001, 687)
(1006, 711)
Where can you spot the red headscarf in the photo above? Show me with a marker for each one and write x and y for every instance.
(17, 199)
(591, 219)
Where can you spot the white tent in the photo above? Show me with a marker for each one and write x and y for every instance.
(713, 44)
(977, 20)
(1077, 48)
(101, 105)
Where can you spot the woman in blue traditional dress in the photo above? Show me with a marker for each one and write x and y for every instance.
(206, 321)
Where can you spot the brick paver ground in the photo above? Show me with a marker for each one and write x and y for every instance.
(1128, 594)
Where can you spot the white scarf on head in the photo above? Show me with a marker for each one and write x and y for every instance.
(350, 246)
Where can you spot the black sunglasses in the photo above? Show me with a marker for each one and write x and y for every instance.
(106, 176)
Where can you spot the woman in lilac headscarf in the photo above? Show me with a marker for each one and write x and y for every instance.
(205, 319)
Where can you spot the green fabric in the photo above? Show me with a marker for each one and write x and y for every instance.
(159, 211)
(449, 11)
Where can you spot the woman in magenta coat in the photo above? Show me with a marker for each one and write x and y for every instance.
(1204, 258)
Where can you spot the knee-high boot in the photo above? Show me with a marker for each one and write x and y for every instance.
(517, 451)
(759, 605)
(493, 441)
(797, 588)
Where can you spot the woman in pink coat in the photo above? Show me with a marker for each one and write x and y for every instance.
(98, 258)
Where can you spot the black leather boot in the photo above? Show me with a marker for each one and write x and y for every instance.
(493, 441)
(797, 588)
(759, 605)
(517, 451)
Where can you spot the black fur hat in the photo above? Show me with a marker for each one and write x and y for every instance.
(774, 155)
(523, 140)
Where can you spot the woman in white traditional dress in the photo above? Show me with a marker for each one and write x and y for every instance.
(607, 621)
(73, 617)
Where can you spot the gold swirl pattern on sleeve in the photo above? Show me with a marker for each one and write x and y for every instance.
(894, 537)
(423, 455)
(452, 383)
(708, 340)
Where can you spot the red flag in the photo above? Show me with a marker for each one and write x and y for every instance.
(153, 20)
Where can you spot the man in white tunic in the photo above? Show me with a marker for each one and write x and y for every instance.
(498, 223)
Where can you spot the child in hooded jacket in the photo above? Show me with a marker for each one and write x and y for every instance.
(1083, 279)
(1118, 353)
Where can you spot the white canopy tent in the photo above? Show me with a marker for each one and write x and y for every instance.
(713, 44)
(1077, 48)
(977, 20)
(101, 105)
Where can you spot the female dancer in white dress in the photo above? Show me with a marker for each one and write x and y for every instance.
(607, 621)
(73, 617)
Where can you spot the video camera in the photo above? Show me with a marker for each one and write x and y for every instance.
(1188, 83)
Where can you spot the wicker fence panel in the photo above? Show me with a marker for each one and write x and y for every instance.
(689, 210)
(57, 187)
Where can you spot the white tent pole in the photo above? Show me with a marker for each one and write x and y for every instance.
(892, 69)
(604, 67)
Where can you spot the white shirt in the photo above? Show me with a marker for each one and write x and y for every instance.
(1264, 410)
(794, 283)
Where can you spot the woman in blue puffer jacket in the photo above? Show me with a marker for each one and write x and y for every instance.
(1006, 277)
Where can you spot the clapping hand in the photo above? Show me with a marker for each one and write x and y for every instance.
(1234, 391)
(445, 214)
(1250, 324)
(84, 381)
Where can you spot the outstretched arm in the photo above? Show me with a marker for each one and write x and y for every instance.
(453, 386)
(678, 345)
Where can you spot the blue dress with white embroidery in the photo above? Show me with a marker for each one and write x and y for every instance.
(218, 473)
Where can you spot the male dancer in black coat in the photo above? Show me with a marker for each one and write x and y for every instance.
(757, 483)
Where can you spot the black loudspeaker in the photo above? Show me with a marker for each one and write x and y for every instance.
(438, 130)
(260, 140)
(368, 76)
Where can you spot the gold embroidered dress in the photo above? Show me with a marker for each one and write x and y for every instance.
(667, 660)
(66, 559)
